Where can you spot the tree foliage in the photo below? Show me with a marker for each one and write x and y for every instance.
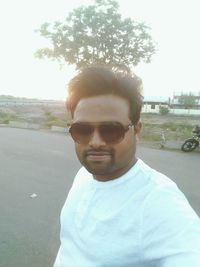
(97, 34)
(187, 100)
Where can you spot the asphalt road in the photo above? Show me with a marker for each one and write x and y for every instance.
(43, 163)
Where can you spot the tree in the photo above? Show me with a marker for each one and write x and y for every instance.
(187, 100)
(97, 34)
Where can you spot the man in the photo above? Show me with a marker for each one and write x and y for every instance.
(119, 211)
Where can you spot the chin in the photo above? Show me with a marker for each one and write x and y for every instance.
(100, 170)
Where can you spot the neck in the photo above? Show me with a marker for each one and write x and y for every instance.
(115, 174)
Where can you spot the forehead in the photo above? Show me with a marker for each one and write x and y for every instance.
(102, 108)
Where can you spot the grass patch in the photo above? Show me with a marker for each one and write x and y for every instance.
(52, 120)
(172, 130)
(5, 118)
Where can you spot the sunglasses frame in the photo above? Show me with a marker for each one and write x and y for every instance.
(100, 126)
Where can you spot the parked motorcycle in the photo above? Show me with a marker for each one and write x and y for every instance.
(192, 143)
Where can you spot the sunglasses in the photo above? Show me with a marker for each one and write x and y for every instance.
(110, 132)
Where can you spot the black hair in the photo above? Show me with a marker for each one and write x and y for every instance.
(102, 80)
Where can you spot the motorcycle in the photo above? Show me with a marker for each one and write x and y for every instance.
(192, 143)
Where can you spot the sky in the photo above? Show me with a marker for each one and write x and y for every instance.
(173, 69)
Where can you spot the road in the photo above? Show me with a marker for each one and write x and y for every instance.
(44, 164)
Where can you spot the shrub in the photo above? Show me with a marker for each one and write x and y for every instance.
(163, 110)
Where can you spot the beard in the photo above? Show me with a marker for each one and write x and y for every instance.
(99, 165)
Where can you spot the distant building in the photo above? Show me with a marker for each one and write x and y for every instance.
(151, 104)
(177, 108)
(177, 95)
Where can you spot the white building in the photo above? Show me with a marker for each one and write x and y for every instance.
(177, 108)
(151, 104)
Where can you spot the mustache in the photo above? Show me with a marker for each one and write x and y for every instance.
(98, 152)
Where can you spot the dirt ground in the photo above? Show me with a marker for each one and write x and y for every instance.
(173, 128)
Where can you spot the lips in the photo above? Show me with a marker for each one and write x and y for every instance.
(98, 155)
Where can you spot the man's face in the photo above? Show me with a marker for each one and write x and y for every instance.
(104, 160)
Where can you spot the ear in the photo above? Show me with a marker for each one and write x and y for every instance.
(137, 129)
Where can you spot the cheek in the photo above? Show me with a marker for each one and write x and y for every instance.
(79, 150)
(126, 149)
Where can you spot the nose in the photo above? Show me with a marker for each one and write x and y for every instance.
(96, 140)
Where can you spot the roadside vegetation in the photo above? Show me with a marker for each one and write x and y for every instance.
(5, 117)
(174, 127)
(45, 116)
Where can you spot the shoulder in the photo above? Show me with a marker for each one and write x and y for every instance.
(155, 182)
(164, 202)
(167, 214)
(169, 225)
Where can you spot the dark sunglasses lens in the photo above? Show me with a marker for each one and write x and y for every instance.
(112, 133)
(81, 133)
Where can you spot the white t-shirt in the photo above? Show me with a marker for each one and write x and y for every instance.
(139, 219)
